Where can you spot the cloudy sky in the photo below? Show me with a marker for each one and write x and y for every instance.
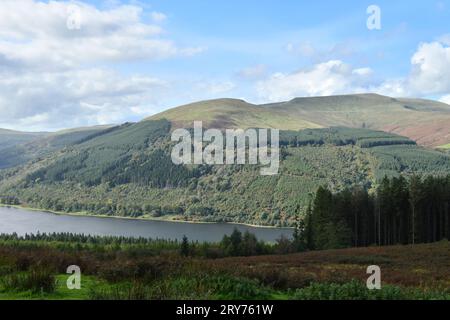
(76, 63)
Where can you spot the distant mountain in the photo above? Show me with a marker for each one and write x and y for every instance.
(9, 138)
(19, 147)
(424, 121)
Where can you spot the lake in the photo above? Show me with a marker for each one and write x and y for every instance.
(24, 221)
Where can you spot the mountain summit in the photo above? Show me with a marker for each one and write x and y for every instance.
(424, 121)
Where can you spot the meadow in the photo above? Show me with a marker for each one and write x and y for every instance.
(122, 269)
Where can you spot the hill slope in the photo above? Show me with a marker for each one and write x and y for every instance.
(127, 171)
(424, 121)
(9, 138)
(232, 113)
(19, 147)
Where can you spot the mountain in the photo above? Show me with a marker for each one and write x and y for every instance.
(127, 171)
(424, 121)
(9, 138)
(232, 113)
(19, 147)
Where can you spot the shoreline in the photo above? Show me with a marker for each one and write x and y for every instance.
(87, 214)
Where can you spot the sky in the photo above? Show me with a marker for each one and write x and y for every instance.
(78, 63)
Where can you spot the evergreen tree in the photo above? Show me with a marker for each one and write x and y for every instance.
(415, 196)
(309, 228)
(184, 248)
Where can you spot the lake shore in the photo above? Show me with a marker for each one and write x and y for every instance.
(168, 218)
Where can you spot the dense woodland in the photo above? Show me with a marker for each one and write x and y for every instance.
(401, 211)
(127, 171)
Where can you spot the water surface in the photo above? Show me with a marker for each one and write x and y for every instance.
(24, 221)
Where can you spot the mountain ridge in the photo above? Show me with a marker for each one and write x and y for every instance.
(422, 120)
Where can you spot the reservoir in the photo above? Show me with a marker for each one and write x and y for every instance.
(22, 221)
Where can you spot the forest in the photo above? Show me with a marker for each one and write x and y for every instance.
(127, 171)
(401, 211)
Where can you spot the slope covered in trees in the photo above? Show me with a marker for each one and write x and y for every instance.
(127, 171)
(17, 148)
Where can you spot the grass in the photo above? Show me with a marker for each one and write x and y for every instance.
(408, 117)
(60, 292)
(356, 290)
(445, 146)
(232, 113)
(407, 272)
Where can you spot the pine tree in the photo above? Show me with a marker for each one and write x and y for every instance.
(415, 196)
(309, 228)
(184, 248)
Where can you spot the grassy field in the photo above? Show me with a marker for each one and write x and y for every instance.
(35, 270)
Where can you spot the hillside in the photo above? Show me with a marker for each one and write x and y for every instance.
(424, 121)
(9, 138)
(232, 113)
(19, 147)
(127, 171)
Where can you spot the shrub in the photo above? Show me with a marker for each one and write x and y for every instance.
(355, 290)
(130, 291)
(36, 281)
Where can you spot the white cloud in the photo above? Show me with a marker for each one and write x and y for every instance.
(328, 78)
(72, 98)
(429, 75)
(392, 87)
(445, 99)
(305, 49)
(58, 59)
(430, 65)
(213, 89)
(253, 72)
(445, 39)
(37, 33)
(430, 69)
(158, 17)
(362, 71)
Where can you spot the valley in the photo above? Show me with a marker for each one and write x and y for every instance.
(126, 170)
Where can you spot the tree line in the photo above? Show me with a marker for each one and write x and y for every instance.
(400, 211)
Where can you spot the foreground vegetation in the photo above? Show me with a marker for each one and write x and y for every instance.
(34, 267)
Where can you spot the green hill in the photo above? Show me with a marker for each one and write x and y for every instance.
(232, 113)
(19, 147)
(424, 121)
(127, 171)
(9, 138)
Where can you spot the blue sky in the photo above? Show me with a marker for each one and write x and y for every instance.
(240, 33)
(131, 59)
